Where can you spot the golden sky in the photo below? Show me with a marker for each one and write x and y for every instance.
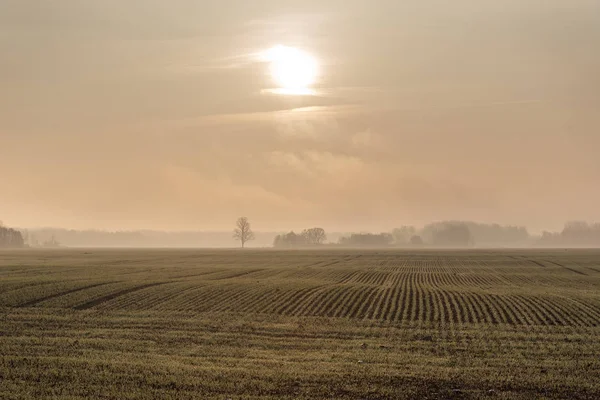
(148, 114)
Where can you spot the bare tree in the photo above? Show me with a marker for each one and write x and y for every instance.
(243, 233)
(314, 236)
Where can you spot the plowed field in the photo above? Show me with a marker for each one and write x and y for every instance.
(299, 324)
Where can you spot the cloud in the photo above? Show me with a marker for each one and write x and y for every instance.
(318, 164)
(148, 114)
(366, 138)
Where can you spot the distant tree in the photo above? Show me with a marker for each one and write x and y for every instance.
(403, 234)
(290, 239)
(308, 237)
(452, 234)
(367, 240)
(243, 232)
(10, 238)
(578, 233)
(314, 236)
(575, 233)
(277, 241)
(416, 240)
(480, 233)
(495, 234)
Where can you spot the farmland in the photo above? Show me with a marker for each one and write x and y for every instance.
(263, 324)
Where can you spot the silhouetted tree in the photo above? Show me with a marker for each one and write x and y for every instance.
(243, 232)
(314, 236)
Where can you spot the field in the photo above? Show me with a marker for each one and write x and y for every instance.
(260, 324)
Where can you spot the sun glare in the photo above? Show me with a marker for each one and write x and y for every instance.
(293, 70)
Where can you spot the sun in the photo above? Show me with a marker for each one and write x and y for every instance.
(294, 70)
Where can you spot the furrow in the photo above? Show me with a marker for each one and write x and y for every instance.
(104, 299)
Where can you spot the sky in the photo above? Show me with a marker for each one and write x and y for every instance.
(148, 114)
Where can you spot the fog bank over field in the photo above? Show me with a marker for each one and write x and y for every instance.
(459, 234)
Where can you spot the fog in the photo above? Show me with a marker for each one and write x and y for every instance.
(153, 115)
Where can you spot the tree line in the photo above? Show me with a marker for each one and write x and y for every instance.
(576, 233)
(438, 234)
(10, 238)
(306, 238)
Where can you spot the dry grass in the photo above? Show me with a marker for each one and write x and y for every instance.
(306, 324)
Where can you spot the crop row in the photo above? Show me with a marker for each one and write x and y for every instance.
(402, 302)
(405, 301)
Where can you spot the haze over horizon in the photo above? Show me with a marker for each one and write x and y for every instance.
(165, 115)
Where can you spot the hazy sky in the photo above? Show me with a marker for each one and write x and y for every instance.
(126, 114)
